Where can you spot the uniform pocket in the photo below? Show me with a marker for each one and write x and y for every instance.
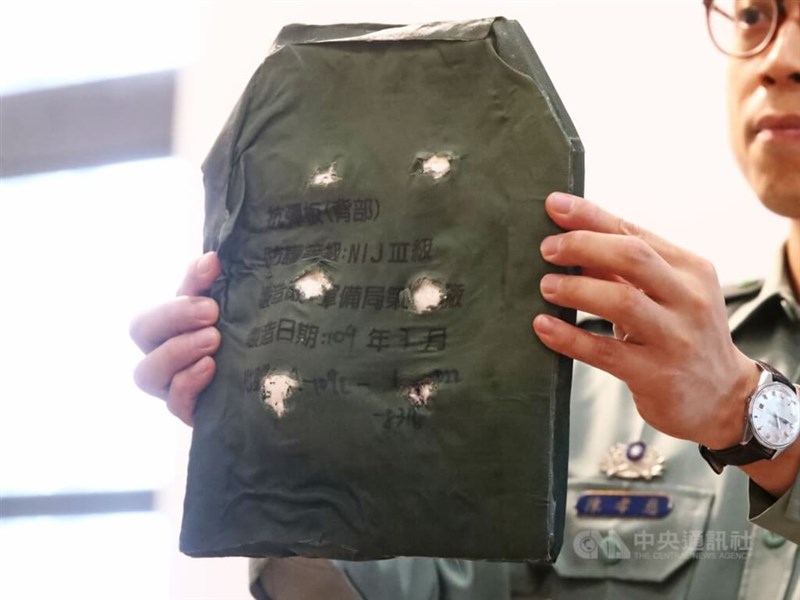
(630, 535)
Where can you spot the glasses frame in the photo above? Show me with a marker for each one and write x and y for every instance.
(777, 20)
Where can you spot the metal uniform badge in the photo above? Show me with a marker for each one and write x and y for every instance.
(627, 461)
(632, 461)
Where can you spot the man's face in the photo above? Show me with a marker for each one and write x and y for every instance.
(764, 107)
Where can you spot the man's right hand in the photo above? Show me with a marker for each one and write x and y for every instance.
(178, 338)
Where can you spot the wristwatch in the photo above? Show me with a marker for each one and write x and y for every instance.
(772, 423)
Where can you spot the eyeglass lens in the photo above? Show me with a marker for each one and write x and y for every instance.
(742, 27)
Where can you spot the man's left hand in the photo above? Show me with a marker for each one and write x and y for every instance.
(672, 345)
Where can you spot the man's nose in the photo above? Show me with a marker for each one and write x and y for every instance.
(781, 64)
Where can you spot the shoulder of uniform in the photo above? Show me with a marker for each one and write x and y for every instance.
(741, 292)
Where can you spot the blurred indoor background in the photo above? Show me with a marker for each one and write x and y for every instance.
(107, 111)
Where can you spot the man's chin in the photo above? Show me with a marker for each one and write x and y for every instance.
(774, 176)
(782, 197)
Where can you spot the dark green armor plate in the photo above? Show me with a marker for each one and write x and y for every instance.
(377, 202)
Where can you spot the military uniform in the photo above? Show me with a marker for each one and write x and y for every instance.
(712, 542)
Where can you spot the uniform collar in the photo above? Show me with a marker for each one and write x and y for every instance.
(776, 288)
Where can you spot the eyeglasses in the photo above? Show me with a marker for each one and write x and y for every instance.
(743, 28)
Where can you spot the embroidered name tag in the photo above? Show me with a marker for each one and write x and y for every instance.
(625, 504)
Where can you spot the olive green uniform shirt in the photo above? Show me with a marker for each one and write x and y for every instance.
(718, 541)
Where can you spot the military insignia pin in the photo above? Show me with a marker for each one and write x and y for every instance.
(632, 461)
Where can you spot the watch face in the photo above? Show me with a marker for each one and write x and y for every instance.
(775, 415)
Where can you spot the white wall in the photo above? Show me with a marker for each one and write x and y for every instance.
(640, 80)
